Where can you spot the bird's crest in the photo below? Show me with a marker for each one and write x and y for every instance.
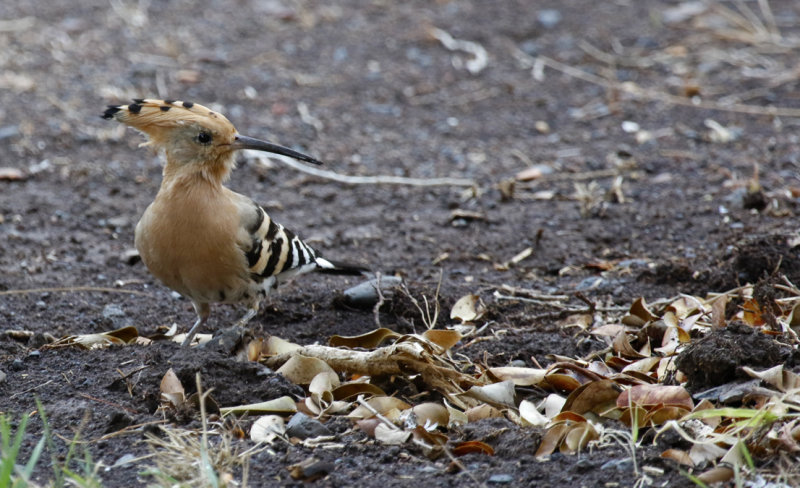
(156, 117)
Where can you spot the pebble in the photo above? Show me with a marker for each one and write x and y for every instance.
(549, 17)
(304, 427)
(619, 464)
(112, 311)
(8, 131)
(365, 295)
(17, 364)
(590, 283)
(500, 478)
(2, 377)
(633, 263)
(530, 47)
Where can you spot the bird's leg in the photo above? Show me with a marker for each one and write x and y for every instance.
(251, 312)
(203, 311)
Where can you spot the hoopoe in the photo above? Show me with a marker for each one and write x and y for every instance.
(203, 240)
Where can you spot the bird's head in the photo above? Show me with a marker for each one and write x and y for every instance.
(195, 138)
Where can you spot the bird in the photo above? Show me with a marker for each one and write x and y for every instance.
(200, 238)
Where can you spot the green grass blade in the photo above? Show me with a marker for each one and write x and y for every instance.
(37, 451)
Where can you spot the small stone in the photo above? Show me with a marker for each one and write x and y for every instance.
(590, 283)
(112, 311)
(17, 365)
(304, 427)
(117, 222)
(549, 17)
(365, 295)
(500, 479)
(2, 377)
(622, 464)
(630, 126)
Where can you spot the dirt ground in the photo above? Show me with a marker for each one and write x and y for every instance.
(636, 195)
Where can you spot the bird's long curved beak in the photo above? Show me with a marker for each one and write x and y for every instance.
(244, 142)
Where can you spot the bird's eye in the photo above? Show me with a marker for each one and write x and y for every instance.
(204, 137)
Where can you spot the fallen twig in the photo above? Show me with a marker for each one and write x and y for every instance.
(646, 94)
(374, 180)
(405, 358)
(72, 289)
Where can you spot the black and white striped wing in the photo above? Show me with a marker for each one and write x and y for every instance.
(276, 251)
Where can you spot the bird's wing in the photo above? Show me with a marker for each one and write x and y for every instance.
(269, 248)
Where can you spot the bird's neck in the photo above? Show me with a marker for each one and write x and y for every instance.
(213, 174)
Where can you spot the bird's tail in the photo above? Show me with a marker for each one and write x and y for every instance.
(339, 268)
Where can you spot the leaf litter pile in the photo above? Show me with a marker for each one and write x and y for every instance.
(712, 370)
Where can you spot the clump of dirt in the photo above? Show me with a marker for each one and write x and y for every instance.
(718, 358)
(750, 260)
(745, 262)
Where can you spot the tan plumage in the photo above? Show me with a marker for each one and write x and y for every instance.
(199, 238)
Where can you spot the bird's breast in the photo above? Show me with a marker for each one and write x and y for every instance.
(188, 241)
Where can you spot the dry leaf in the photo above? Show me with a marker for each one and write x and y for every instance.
(529, 174)
(482, 412)
(311, 469)
(519, 376)
(596, 396)
(551, 440)
(656, 395)
(321, 398)
(700, 453)
(468, 308)
(752, 313)
(643, 365)
(623, 347)
(530, 415)
(433, 438)
(266, 428)
(561, 381)
(776, 376)
(172, 391)
(720, 474)
(456, 416)
(283, 404)
(382, 405)
(125, 335)
(553, 405)
(501, 393)
(430, 413)
(276, 346)
(11, 174)
(355, 388)
(578, 437)
(638, 314)
(370, 340)
(679, 456)
(664, 414)
(391, 436)
(443, 338)
(300, 370)
(469, 447)
(718, 312)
